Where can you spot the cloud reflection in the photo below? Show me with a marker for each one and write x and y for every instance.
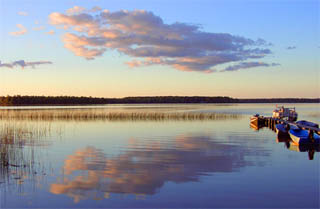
(146, 166)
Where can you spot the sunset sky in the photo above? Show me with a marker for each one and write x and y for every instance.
(118, 48)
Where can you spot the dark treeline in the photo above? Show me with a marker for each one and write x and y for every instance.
(67, 100)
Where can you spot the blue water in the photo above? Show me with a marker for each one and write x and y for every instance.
(160, 164)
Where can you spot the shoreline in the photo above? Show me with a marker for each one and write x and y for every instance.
(84, 101)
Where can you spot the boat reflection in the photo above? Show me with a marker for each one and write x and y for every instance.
(290, 145)
(146, 166)
(310, 148)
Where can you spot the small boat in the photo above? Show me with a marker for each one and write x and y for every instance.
(254, 126)
(282, 128)
(300, 136)
(307, 123)
(282, 131)
(285, 112)
(255, 119)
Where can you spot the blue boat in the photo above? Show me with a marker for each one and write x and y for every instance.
(300, 136)
(282, 128)
(307, 123)
(282, 131)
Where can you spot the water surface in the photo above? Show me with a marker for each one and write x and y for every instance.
(214, 163)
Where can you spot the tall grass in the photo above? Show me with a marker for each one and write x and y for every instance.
(20, 161)
(101, 114)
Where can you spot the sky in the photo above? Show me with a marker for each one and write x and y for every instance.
(119, 48)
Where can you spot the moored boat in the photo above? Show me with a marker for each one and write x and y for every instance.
(300, 136)
(256, 122)
(285, 112)
(255, 119)
(282, 131)
(282, 128)
(307, 123)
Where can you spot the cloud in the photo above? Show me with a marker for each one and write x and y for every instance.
(95, 9)
(78, 9)
(80, 45)
(90, 173)
(75, 10)
(23, 13)
(149, 41)
(38, 28)
(244, 65)
(291, 47)
(22, 30)
(51, 32)
(23, 64)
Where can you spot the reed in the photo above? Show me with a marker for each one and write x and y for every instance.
(96, 114)
(19, 160)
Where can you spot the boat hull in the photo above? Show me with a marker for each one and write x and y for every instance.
(254, 120)
(300, 136)
(282, 131)
(307, 123)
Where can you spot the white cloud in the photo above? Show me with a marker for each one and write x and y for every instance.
(145, 37)
(23, 64)
(22, 31)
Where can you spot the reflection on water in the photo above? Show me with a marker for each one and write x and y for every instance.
(309, 148)
(221, 162)
(289, 144)
(20, 160)
(144, 169)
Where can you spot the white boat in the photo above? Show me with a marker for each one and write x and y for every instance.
(285, 112)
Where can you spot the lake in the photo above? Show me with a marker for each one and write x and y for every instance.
(157, 162)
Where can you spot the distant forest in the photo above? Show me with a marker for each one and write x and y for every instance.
(68, 100)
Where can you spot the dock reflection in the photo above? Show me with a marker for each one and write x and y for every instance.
(144, 169)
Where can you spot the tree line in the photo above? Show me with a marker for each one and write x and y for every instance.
(71, 100)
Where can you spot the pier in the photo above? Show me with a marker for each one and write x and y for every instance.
(271, 123)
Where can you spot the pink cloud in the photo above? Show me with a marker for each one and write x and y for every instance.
(22, 31)
(145, 37)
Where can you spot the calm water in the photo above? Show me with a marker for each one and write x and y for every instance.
(156, 164)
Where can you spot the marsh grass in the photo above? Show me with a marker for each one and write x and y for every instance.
(102, 114)
(19, 160)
